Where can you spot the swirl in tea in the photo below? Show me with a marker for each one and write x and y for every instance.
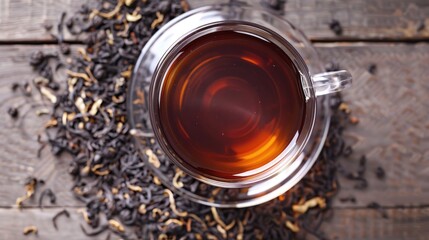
(231, 102)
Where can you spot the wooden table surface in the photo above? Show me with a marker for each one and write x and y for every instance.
(392, 104)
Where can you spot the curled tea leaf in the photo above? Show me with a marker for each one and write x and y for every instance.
(153, 159)
(222, 231)
(111, 14)
(176, 182)
(159, 19)
(302, 208)
(133, 17)
(173, 204)
(142, 209)
(78, 75)
(84, 215)
(30, 229)
(217, 217)
(116, 225)
(128, 3)
(48, 94)
(174, 221)
(292, 226)
(95, 107)
(80, 104)
(135, 188)
(96, 170)
(84, 54)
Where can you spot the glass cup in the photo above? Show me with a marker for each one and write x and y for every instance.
(282, 172)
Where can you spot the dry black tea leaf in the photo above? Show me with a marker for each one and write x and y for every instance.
(59, 214)
(336, 27)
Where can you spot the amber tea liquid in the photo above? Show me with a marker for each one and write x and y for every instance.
(230, 103)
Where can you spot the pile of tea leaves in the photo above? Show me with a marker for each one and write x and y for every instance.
(89, 122)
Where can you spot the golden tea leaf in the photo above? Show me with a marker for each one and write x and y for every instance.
(142, 209)
(132, 17)
(302, 208)
(158, 20)
(293, 227)
(48, 94)
(30, 229)
(78, 75)
(176, 182)
(135, 188)
(84, 54)
(152, 158)
(217, 218)
(96, 171)
(129, 2)
(95, 107)
(111, 14)
(116, 225)
(80, 104)
(173, 204)
(174, 221)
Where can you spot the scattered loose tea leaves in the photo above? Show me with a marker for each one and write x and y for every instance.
(89, 121)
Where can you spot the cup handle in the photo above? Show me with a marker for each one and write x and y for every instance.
(331, 82)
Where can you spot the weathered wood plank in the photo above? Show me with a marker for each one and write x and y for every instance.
(393, 131)
(356, 224)
(23, 20)
(350, 224)
(13, 222)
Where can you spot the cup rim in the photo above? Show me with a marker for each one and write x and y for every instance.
(288, 156)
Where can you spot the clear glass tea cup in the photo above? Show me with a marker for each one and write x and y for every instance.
(285, 170)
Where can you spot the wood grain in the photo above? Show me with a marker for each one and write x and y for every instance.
(391, 105)
(18, 144)
(13, 221)
(23, 20)
(350, 224)
(401, 224)
(393, 110)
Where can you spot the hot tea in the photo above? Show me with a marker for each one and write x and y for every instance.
(231, 102)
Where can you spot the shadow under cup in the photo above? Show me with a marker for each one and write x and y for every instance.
(232, 103)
